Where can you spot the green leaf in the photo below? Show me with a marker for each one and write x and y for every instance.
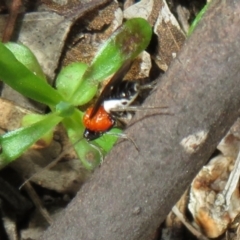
(15, 143)
(197, 19)
(125, 44)
(30, 119)
(85, 93)
(64, 109)
(24, 55)
(89, 156)
(69, 78)
(107, 140)
(17, 76)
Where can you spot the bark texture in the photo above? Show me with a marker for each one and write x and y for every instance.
(132, 192)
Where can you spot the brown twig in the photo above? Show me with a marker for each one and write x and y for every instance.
(37, 202)
(11, 20)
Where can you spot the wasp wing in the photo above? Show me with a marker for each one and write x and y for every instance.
(118, 76)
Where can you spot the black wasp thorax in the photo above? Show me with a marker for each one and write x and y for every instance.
(121, 96)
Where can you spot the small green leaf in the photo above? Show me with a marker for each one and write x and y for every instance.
(89, 156)
(30, 119)
(125, 44)
(85, 93)
(15, 143)
(64, 109)
(17, 76)
(24, 55)
(107, 140)
(197, 19)
(69, 78)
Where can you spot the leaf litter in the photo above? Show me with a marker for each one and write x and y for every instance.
(78, 40)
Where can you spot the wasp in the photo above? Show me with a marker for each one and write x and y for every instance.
(112, 104)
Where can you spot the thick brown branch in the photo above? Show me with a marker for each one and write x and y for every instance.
(132, 192)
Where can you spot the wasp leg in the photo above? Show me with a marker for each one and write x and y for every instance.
(124, 136)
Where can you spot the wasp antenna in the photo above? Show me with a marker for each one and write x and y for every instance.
(135, 108)
(53, 163)
(124, 136)
(148, 86)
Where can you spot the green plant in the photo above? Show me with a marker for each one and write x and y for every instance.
(197, 19)
(76, 85)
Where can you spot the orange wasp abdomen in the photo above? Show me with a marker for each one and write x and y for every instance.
(100, 122)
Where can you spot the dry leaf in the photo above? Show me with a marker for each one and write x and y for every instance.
(214, 196)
